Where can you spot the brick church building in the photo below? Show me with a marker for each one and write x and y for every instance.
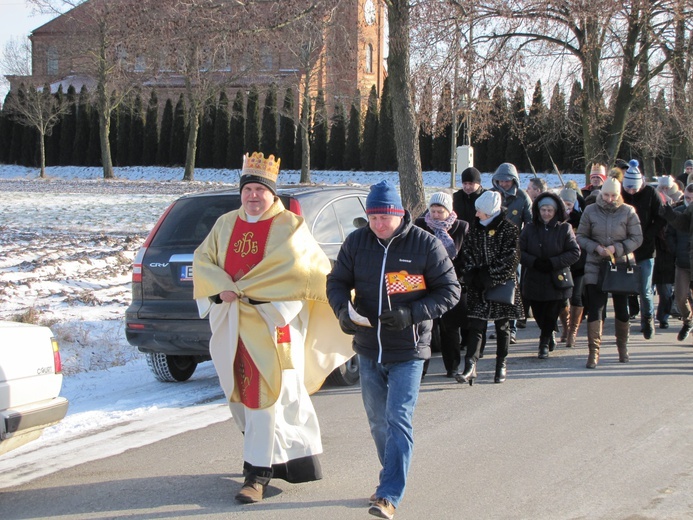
(339, 70)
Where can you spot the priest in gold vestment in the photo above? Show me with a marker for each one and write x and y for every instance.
(261, 278)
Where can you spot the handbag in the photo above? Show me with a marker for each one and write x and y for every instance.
(501, 293)
(562, 279)
(619, 278)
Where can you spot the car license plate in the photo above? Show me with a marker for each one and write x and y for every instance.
(186, 273)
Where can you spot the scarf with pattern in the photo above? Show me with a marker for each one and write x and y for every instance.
(441, 230)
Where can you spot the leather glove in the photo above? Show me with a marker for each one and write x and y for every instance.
(543, 265)
(398, 318)
(345, 323)
(667, 212)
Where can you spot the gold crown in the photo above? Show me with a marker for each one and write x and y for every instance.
(256, 164)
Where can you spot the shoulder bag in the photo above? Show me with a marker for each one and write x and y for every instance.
(562, 279)
(501, 293)
(619, 278)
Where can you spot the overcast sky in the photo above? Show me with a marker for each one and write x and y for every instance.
(16, 20)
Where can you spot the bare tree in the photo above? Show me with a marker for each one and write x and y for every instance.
(16, 57)
(306, 40)
(403, 109)
(39, 110)
(600, 41)
(105, 40)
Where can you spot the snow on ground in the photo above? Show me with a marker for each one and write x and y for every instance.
(66, 247)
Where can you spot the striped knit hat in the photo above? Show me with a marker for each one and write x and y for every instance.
(632, 180)
(384, 200)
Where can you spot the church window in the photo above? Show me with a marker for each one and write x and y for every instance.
(369, 58)
(52, 60)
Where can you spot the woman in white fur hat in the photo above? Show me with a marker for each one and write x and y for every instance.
(490, 256)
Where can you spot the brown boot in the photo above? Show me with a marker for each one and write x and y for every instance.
(251, 492)
(564, 316)
(594, 340)
(574, 325)
(622, 333)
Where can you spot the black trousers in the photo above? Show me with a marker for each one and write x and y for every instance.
(476, 334)
(596, 304)
(546, 314)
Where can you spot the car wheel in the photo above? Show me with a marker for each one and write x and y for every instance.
(169, 369)
(345, 375)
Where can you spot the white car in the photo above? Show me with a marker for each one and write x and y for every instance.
(30, 382)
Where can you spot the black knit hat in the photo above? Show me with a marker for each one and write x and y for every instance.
(471, 174)
(621, 164)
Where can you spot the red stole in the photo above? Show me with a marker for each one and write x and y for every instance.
(246, 249)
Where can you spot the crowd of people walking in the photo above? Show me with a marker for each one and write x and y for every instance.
(475, 256)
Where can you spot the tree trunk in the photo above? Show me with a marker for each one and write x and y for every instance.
(682, 146)
(104, 107)
(191, 148)
(591, 97)
(626, 94)
(403, 114)
(42, 138)
(305, 135)
(104, 133)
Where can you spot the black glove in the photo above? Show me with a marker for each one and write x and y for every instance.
(470, 275)
(484, 279)
(690, 285)
(543, 265)
(345, 323)
(667, 212)
(396, 319)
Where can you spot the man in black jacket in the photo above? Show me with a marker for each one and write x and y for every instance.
(402, 278)
(646, 202)
(463, 200)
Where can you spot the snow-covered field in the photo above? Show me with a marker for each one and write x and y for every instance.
(66, 247)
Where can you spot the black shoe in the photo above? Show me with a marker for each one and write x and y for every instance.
(469, 374)
(521, 324)
(501, 372)
(648, 328)
(492, 335)
(552, 342)
(543, 351)
(663, 324)
(685, 330)
(450, 373)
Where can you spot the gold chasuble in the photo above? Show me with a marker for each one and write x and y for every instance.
(265, 263)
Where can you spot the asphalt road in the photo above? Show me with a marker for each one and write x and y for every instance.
(556, 441)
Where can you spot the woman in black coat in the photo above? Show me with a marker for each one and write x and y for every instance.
(442, 222)
(547, 244)
(490, 257)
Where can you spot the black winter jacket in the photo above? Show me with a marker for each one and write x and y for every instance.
(491, 256)
(646, 202)
(578, 268)
(555, 241)
(463, 204)
(365, 264)
(679, 242)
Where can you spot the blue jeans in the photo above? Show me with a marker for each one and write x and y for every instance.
(646, 296)
(390, 392)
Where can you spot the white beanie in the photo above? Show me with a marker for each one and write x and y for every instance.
(441, 198)
(632, 180)
(612, 186)
(489, 203)
(665, 181)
